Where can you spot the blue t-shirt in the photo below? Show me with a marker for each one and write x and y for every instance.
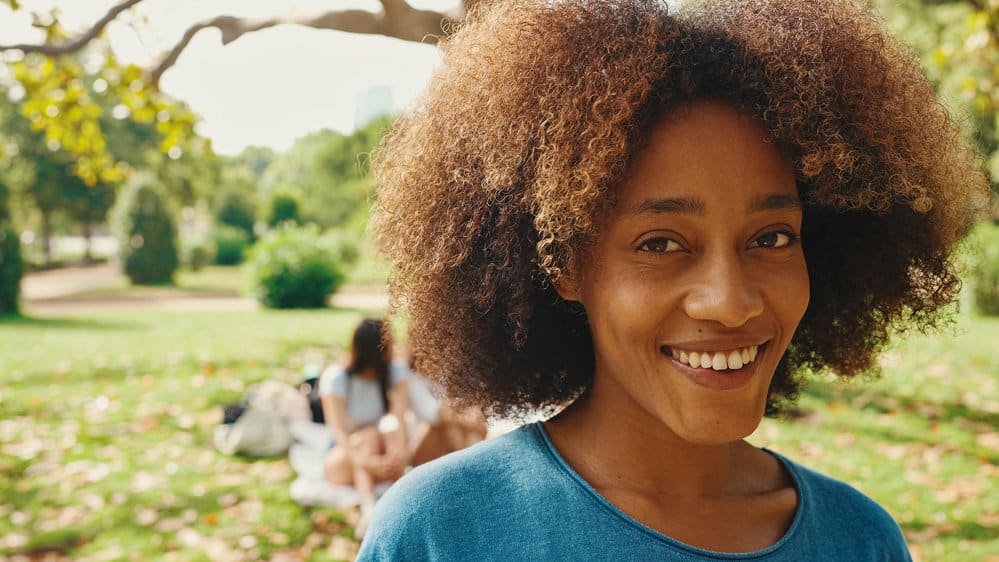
(515, 498)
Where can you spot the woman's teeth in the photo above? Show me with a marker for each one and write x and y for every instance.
(717, 360)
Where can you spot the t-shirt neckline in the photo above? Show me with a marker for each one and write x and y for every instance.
(540, 434)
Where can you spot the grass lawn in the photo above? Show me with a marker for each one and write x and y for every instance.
(923, 440)
(105, 436)
(106, 454)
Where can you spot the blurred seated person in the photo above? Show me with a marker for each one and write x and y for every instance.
(448, 427)
(362, 405)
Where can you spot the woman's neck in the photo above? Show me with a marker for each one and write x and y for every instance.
(622, 446)
(681, 489)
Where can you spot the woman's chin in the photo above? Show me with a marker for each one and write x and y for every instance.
(718, 429)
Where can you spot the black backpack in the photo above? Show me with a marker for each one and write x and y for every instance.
(310, 388)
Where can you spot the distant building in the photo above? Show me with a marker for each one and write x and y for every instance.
(374, 102)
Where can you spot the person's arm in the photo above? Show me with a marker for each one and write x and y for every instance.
(397, 440)
(335, 414)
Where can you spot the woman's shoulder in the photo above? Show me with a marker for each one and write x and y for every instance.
(398, 372)
(333, 380)
(842, 514)
(430, 502)
(830, 492)
(472, 473)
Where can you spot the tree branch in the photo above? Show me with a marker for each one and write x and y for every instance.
(397, 19)
(78, 43)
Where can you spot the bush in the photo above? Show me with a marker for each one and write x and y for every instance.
(983, 273)
(297, 267)
(11, 262)
(230, 245)
(237, 210)
(284, 206)
(195, 255)
(146, 232)
(11, 269)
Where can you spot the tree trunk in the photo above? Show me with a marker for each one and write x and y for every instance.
(88, 235)
(47, 237)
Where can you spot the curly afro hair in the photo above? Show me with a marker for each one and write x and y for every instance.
(496, 180)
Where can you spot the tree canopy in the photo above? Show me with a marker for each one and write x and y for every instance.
(62, 98)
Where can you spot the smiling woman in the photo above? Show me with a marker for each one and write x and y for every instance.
(698, 259)
(652, 224)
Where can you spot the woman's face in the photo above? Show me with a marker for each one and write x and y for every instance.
(697, 281)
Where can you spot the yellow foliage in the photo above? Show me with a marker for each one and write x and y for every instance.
(59, 103)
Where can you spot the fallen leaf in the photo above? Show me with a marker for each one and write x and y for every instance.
(990, 440)
(342, 548)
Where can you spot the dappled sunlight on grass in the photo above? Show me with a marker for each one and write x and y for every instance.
(106, 424)
(923, 439)
(227, 279)
(105, 437)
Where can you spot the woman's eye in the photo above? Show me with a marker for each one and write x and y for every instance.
(776, 239)
(659, 246)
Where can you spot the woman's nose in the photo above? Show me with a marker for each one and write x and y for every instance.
(722, 291)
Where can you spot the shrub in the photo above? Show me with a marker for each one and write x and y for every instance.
(195, 255)
(4, 203)
(284, 206)
(11, 269)
(297, 267)
(230, 244)
(237, 210)
(11, 263)
(983, 271)
(146, 232)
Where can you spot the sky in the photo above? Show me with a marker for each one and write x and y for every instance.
(269, 87)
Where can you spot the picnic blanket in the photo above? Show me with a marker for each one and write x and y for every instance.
(306, 455)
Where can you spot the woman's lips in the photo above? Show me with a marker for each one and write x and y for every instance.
(716, 374)
(717, 360)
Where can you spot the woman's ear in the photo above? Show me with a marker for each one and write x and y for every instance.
(566, 286)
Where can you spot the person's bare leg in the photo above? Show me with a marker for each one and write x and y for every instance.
(456, 436)
(338, 468)
(431, 446)
(461, 428)
(365, 443)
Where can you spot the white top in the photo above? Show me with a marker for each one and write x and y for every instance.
(424, 398)
(364, 402)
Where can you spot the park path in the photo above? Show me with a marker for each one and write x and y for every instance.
(56, 283)
(77, 290)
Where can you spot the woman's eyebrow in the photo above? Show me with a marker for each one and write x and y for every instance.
(670, 206)
(690, 206)
(773, 202)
